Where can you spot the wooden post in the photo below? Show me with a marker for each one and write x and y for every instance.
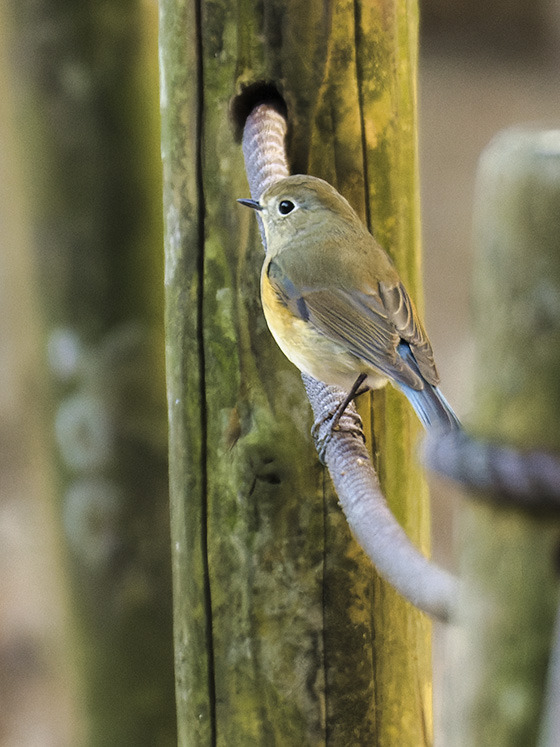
(35, 621)
(284, 633)
(86, 79)
(509, 556)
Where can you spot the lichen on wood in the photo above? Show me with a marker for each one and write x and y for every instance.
(284, 633)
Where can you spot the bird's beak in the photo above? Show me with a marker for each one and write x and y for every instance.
(251, 203)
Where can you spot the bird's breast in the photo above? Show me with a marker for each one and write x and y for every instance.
(307, 348)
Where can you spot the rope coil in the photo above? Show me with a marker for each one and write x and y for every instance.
(503, 474)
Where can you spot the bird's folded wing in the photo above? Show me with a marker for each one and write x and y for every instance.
(358, 321)
(401, 312)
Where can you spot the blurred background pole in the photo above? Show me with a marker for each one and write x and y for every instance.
(85, 76)
(283, 632)
(39, 688)
(510, 557)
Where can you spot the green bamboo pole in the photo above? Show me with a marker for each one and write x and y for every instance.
(509, 556)
(87, 93)
(284, 634)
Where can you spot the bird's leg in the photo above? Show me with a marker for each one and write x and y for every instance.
(352, 394)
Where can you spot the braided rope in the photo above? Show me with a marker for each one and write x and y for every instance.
(264, 132)
(264, 151)
(529, 479)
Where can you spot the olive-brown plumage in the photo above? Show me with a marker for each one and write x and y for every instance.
(333, 299)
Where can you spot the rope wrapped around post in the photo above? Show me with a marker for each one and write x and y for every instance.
(527, 479)
(423, 583)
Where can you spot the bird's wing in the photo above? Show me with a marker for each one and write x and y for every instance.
(361, 321)
(401, 312)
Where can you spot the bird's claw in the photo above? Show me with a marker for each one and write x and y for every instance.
(335, 422)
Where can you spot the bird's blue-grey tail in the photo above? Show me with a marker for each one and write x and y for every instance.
(433, 410)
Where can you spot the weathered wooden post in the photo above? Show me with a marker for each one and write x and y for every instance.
(284, 633)
(510, 555)
(86, 79)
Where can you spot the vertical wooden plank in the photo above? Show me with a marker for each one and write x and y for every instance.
(509, 557)
(265, 523)
(180, 81)
(87, 107)
(290, 597)
(389, 40)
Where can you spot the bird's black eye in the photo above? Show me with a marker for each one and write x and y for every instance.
(285, 207)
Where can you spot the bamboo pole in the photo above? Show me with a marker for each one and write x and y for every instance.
(510, 556)
(284, 634)
(86, 79)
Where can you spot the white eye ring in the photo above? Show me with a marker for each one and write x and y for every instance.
(285, 207)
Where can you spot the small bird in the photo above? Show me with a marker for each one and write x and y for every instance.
(334, 302)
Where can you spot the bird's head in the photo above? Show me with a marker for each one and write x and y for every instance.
(299, 205)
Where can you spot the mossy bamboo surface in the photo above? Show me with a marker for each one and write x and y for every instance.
(284, 633)
(86, 79)
(509, 556)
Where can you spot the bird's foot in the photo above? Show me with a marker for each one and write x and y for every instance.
(329, 423)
